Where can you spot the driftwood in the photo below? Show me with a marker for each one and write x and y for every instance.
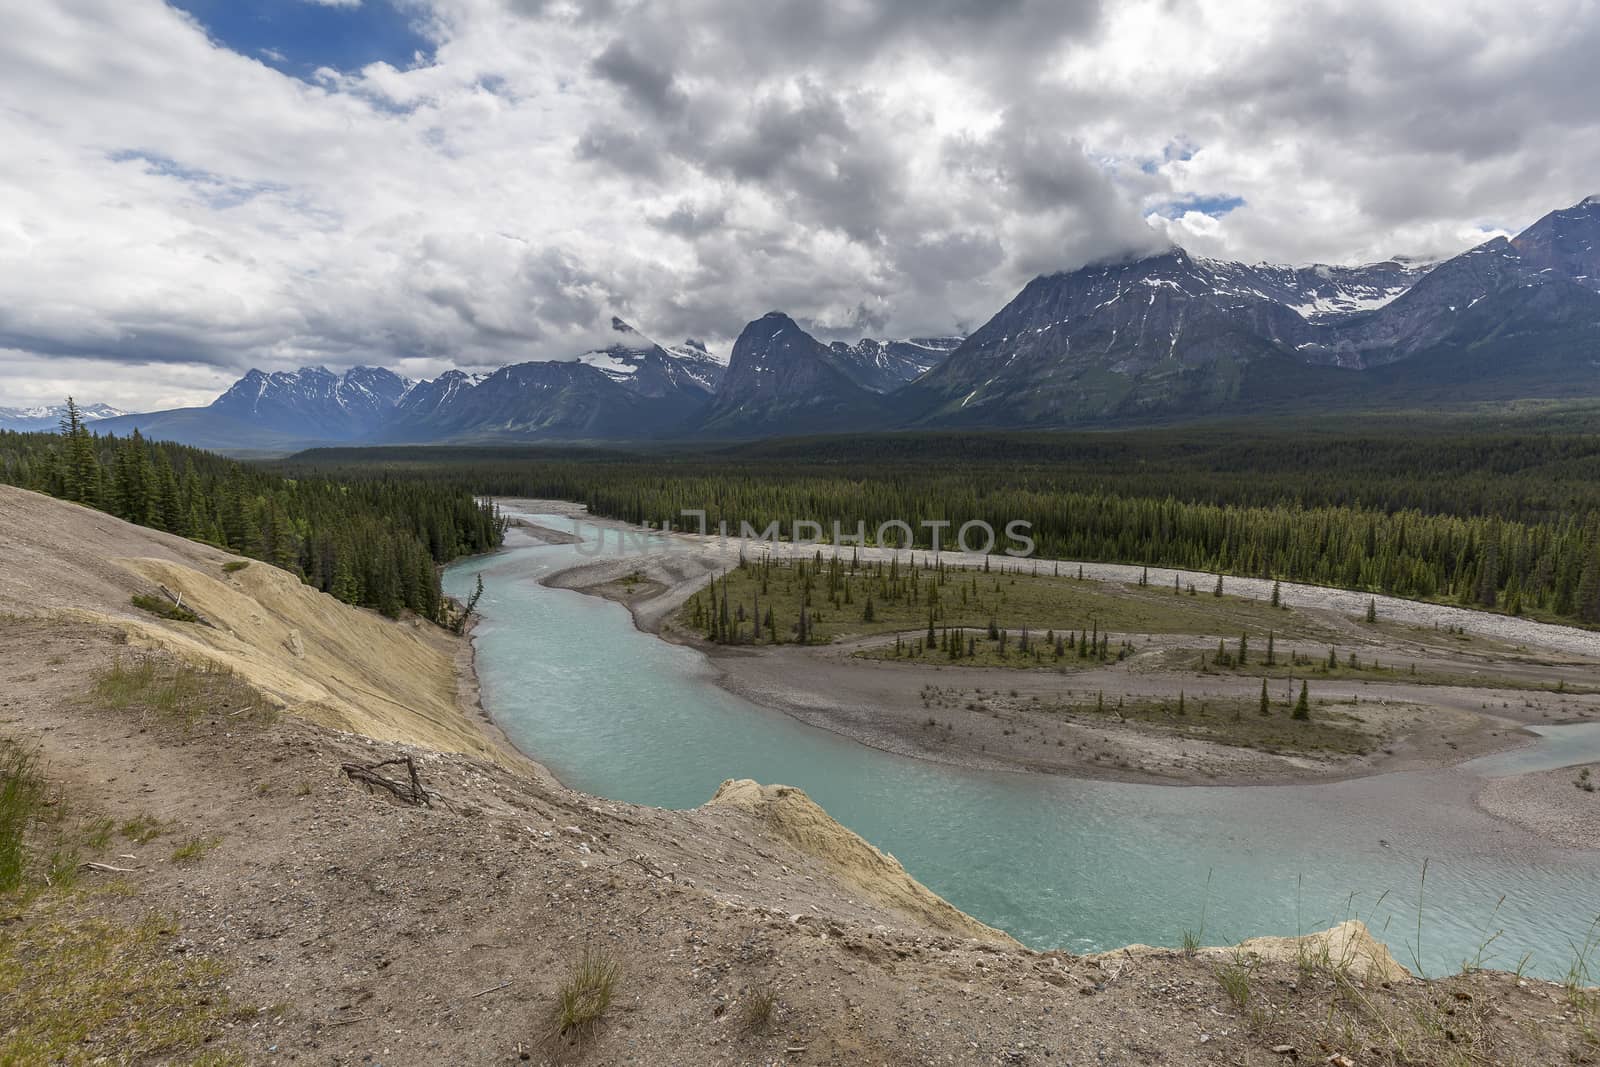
(409, 790)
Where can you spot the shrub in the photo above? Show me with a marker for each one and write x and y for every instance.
(164, 608)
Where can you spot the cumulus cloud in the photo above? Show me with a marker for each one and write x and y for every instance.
(174, 210)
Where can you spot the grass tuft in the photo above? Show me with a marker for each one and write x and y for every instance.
(194, 848)
(759, 1009)
(1235, 978)
(585, 995)
(142, 829)
(22, 797)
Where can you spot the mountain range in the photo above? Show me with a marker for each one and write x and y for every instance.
(1163, 337)
(49, 416)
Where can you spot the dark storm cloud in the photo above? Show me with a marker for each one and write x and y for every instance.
(788, 35)
(646, 84)
(810, 150)
(866, 165)
(937, 260)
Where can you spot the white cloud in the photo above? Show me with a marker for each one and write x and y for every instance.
(171, 211)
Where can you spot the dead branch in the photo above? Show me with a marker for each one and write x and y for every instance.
(491, 989)
(410, 791)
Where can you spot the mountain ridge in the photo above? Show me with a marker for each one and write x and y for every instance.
(1162, 336)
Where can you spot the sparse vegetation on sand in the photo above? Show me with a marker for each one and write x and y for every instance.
(81, 985)
(84, 988)
(179, 691)
(1230, 721)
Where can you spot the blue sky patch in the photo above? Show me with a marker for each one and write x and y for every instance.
(299, 36)
(217, 191)
(1174, 151)
(1215, 206)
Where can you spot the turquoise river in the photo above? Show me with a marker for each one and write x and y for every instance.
(1057, 862)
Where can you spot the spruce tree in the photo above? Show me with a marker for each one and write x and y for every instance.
(1302, 707)
(1266, 706)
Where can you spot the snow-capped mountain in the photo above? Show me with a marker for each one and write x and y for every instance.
(1565, 243)
(884, 366)
(1164, 336)
(643, 367)
(631, 388)
(699, 363)
(782, 380)
(315, 401)
(1172, 335)
(1320, 292)
(425, 398)
(48, 416)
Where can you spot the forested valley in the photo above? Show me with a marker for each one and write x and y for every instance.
(1503, 516)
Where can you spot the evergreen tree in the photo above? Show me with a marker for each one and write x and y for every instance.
(1302, 707)
(1266, 706)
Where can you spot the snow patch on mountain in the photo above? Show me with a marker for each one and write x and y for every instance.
(36, 417)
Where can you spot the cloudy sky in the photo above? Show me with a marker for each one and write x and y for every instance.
(189, 189)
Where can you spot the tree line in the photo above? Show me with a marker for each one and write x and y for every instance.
(370, 541)
(1507, 520)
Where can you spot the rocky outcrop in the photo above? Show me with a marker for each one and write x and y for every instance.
(787, 813)
(1348, 948)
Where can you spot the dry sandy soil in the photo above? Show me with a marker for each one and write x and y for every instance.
(998, 718)
(343, 926)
